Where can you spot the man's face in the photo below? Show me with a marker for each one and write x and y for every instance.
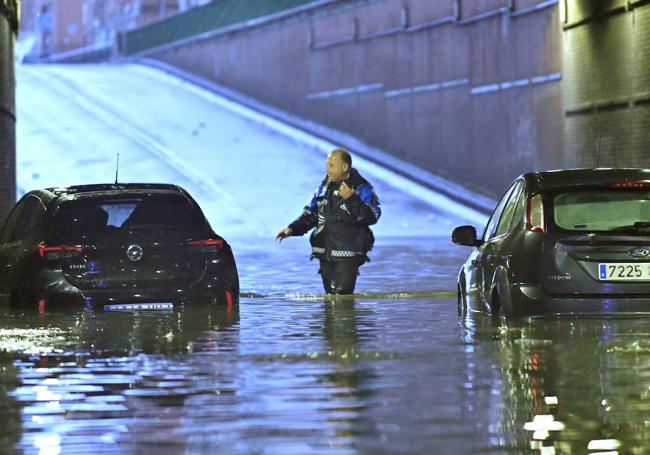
(337, 169)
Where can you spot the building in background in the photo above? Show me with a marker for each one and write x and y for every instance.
(58, 26)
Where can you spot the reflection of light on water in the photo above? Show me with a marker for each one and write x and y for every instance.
(541, 435)
(48, 444)
(30, 341)
(604, 444)
(634, 347)
(541, 426)
(544, 422)
(551, 401)
(371, 295)
(45, 394)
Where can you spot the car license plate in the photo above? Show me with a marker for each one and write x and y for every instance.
(162, 306)
(624, 271)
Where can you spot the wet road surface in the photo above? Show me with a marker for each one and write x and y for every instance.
(393, 370)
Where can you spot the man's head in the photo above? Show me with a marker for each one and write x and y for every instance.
(339, 164)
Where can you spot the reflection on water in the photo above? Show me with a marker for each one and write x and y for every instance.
(87, 379)
(392, 370)
(572, 385)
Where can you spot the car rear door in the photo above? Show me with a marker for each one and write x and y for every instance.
(496, 250)
(482, 258)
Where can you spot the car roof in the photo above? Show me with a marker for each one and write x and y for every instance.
(562, 178)
(112, 187)
(68, 193)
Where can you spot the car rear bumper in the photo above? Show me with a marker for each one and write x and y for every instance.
(55, 290)
(95, 298)
(530, 300)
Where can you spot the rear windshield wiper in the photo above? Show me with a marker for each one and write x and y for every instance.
(639, 226)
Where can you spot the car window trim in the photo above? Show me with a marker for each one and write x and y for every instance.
(499, 208)
(548, 198)
(518, 188)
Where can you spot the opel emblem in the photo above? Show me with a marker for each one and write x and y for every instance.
(638, 252)
(135, 253)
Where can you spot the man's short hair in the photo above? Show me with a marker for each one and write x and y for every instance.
(345, 156)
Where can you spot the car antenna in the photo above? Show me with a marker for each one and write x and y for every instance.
(117, 166)
(600, 137)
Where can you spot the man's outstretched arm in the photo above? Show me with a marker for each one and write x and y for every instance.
(305, 222)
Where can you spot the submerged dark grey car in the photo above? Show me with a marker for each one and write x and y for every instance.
(562, 242)
(128, 244)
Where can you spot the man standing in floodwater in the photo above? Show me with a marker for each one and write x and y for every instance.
(341, 211)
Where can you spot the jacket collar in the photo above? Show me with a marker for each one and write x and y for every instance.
(355, 178)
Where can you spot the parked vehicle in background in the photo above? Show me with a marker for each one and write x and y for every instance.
(562, 242)
(113, 244)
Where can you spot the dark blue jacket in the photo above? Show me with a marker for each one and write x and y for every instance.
(342, 226)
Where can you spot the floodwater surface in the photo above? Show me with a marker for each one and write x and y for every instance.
(392, 370)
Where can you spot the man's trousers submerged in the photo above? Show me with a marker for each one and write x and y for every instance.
(339, 277)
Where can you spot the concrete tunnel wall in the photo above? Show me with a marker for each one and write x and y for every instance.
(476, 91)
(415, 79)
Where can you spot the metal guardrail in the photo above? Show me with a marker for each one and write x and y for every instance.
(213, 16)
(11, 10)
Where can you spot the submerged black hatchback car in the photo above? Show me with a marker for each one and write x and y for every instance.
(113, 244)
(562, 242)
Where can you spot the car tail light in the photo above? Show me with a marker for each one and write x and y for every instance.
(59, 251)
(206, 245)
(630, 185)
(535, 215)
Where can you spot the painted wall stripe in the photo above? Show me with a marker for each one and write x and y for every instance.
(426, 88)
(360, 89)
(507, 85)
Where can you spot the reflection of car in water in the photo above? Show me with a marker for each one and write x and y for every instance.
(125, 243)
(586, 378)
(571, 241)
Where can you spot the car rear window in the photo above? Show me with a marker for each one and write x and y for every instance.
(600, 209)
(88, 218)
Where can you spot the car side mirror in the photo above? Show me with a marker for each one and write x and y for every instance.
(465, 235)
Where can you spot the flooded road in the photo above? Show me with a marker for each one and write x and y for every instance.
(287, 372)
(392, 371)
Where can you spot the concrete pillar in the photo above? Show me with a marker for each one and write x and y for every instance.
(606, 47)
(8, 30)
